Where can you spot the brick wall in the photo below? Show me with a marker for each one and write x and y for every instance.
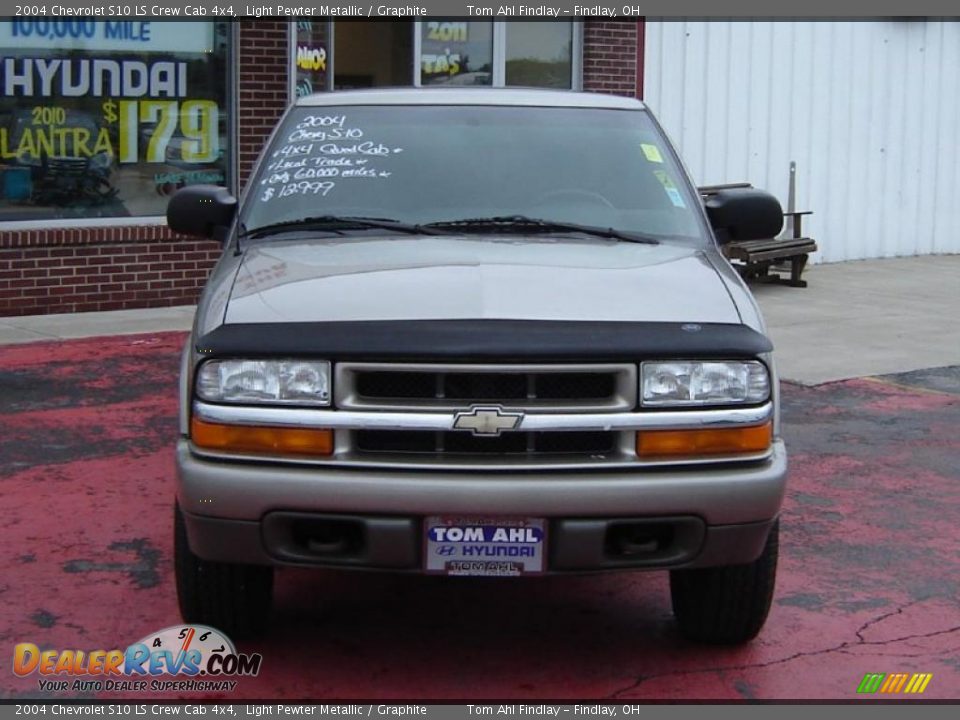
(610, 50)
(264, 89)
(79, 270)
(82, 269)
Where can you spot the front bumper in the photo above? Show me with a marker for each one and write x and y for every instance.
(709, 515)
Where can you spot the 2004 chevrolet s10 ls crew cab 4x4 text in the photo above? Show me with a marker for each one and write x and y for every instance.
(477, 332)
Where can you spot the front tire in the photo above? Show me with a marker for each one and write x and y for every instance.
(726, 605)
(233, 598)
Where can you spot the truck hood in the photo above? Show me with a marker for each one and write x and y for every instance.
(502, 277)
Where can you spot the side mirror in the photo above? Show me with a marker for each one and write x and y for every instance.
(202, 210)
(744, 214)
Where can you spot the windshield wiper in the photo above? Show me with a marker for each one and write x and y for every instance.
(522, 222)
(336, 224)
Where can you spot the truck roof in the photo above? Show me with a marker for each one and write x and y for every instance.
(529, 97)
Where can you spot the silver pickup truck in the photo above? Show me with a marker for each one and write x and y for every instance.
(477, 333)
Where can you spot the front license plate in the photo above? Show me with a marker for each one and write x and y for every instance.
(484, 545)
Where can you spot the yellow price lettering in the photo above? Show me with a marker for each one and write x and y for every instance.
(164, 114)
(128, 142)
(199, 122)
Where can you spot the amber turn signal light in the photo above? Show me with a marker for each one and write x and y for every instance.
(275, 440)
(726, 441)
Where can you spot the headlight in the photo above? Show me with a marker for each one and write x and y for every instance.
(285, 382)
(678, 384)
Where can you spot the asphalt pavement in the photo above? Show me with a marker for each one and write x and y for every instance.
(867, 582)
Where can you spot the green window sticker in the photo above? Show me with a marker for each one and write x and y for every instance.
(651, 152)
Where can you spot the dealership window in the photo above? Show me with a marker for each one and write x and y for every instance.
(456, 53)
(485, 53)
(539, 54)
(106, 119)
(340, 55)
(372, 54)
(311, 66)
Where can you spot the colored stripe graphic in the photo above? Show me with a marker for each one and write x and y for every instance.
(870, 683)
(894, 683)
(914, 683)
(918, 683)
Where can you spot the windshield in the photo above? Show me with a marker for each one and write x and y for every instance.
(435, 164)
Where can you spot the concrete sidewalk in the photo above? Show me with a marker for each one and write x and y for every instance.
(868, 317)
(855, 319)
(70, 326)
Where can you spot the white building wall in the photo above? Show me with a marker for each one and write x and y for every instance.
(870, 112)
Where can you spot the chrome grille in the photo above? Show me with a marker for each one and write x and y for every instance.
(399, 388)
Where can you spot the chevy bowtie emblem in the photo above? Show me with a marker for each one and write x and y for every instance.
(489, 421)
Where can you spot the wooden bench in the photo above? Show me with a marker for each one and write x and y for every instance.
(755, 259)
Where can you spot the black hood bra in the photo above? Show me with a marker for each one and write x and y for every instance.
(473, 340)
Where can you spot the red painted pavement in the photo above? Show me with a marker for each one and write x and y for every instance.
(868, 575)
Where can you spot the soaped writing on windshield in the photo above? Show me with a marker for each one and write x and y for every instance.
(320, 151)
